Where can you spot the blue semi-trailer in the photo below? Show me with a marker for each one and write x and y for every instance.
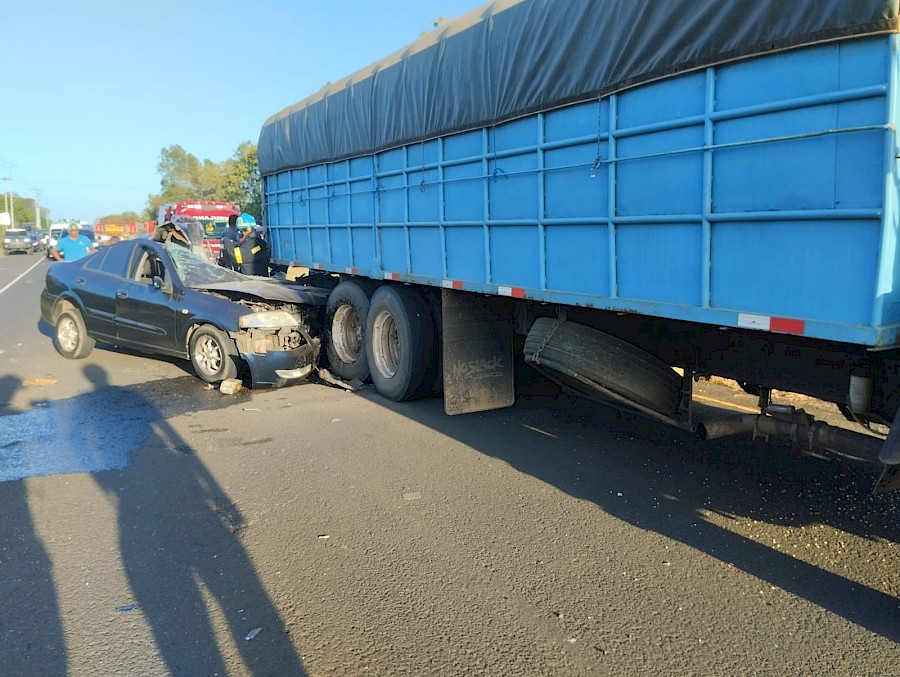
(614, 190)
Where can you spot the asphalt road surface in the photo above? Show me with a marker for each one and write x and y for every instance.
(152, 526)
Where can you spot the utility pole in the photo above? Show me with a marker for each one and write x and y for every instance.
(37, 208)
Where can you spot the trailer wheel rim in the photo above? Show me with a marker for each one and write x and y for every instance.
(385, 344)
(346, 334)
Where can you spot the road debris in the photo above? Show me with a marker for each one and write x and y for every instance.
(412, 496)
(127, 607)
(253, 633)
(39, 382)
(328, 377)
(230, 386)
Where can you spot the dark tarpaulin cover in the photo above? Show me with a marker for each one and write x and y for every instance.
(510, 58)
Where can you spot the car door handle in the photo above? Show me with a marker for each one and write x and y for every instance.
(121, 294)
(80, 280)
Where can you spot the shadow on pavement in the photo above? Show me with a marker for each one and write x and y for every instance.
(667, 481)
(30, 624)
(181, 548)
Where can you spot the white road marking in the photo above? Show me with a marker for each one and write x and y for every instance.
(39, 262)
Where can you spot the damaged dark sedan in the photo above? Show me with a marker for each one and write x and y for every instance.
(158, 295)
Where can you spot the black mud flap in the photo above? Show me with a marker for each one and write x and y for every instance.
(478, 352)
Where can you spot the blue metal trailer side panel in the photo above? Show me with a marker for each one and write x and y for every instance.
(758, 193)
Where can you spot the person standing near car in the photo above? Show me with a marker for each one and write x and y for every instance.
(251, 254)
(73, 247)
(229, 240)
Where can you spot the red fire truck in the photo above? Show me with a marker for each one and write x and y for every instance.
(213, 217)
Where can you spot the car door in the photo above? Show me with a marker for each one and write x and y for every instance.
(145, 303)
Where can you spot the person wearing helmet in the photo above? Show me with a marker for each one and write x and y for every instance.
(229, 240)
(251, 252)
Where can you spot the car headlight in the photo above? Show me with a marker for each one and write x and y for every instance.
(6, 240)
(269, 319)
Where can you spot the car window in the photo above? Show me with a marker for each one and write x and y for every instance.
(94, 261)
(117, 258)
(149, 265)
(196, 271)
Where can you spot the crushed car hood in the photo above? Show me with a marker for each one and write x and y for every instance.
(272, 291)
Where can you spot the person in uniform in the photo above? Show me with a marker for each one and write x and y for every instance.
(251, 252)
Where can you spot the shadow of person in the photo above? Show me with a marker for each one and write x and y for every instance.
(191, 578)
(31, 636)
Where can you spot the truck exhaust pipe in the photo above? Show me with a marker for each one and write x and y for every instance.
(799, 427)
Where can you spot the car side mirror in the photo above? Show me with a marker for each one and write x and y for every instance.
(157, 282)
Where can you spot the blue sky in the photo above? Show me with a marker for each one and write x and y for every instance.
(95, 89)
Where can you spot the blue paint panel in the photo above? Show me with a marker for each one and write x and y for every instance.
(390, 160)
(319, 240)
(513, 135)
(584, 119)
(302, 245)
(513, 188)
(465, 253)
(822, 270)
(464, 192)
(393, 249)
(282, 238)
(361, 167)
(390, 200)
(670, 184)
(462, 146)
(663, 101)
(362, 202)
(864, 63)
(316, 175)
(571, 190)
(283, 181)
(363, 247)
(338, 204)
(660, 262)
(425, 245)
(340, 246)
(785, 75)
(298, 178)
(338, 171)
(318, 206)
(424, 197)
(515, 258)
(578, 258)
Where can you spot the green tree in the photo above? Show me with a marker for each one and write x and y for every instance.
(243, 184)
(127, 217)
(185, 177)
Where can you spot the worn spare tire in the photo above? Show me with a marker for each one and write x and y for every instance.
(581, 358)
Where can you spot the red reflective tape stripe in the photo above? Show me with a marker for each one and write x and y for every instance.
(457, 285)
(517, 292)
(787, 326)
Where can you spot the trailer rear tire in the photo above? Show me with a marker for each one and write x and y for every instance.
(345, 323)
(580, 359)
(399, 342)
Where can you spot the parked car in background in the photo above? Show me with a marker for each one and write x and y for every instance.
(158, 295)
(18, 240)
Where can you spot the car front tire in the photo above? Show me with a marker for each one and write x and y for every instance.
(213, 354)
(71, 339)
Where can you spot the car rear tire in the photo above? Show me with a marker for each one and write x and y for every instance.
(400, 345)
(580, 358)
(71, 339)
(345, 322)
(213, 354)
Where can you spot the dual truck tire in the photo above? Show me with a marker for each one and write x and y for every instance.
(389, 334)
(384, 333)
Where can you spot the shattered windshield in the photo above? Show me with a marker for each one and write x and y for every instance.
(196, 271)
